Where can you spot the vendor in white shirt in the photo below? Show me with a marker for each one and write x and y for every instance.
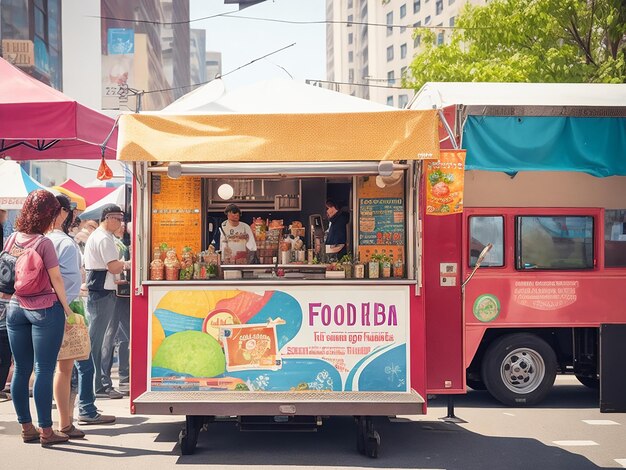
(235, 238)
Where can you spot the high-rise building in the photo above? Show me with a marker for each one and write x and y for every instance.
(370, 43)
(31, 38)
(213, 64)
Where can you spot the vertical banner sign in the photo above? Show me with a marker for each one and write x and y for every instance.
(444, 183)
(118, 68)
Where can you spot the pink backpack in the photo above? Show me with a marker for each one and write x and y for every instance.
(31, 275)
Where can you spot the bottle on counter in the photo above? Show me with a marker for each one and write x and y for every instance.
(172, 265)
(398, 268)
(386, 267)
(359, 270)
(157, 268)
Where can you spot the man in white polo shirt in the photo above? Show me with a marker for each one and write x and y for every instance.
(103, 267)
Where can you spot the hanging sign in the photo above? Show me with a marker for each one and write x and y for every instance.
(445, 182)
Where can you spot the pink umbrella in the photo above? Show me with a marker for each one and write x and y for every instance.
(39, 122)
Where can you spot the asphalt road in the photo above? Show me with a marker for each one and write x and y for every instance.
(566, 432)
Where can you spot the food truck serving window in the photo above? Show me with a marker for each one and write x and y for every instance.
(298, 226)
(554, 242)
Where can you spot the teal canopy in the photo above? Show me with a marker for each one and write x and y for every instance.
(510, 144)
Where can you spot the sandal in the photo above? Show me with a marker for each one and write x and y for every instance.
(54, 438)
(31, 435)
(73, 432)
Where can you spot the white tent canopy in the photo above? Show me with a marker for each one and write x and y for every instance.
(278, 96)
(15, 184)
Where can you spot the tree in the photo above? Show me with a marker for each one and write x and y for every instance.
(577, 41)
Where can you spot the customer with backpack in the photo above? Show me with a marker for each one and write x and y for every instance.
(37, 313)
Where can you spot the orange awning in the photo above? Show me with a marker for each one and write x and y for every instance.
(362, 136)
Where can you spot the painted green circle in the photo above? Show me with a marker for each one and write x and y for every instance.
(486, 307)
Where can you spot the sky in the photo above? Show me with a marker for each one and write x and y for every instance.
(242, 40)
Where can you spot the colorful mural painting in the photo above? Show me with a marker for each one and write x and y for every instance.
(280, 340)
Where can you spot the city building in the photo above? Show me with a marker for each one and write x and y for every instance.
(213, 64)
(370, 43)
(31, 38)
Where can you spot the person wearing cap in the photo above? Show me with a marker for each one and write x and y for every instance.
(235, 238)
(103, 266)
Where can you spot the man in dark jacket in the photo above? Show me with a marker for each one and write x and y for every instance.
(337, 236)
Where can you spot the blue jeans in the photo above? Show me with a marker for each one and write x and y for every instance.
(5, 349)
(103, 323)
(122, 304)
(82, 385)
(35, 337)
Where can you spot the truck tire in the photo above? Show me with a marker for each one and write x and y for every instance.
(519, 369)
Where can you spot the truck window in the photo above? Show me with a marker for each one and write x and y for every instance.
(554, 242)
(615, 238)
(482, 231)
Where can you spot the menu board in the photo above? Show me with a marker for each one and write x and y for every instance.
(176, 212)
(381, 221)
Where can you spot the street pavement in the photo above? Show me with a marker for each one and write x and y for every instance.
(566, 432)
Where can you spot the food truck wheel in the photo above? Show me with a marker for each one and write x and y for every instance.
(372, 444)
(361, 434)
(187, 443)
(519, 369)
(188, 437)
(367, 439)
(589, 382)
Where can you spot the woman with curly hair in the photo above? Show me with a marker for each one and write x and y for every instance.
(36, 323)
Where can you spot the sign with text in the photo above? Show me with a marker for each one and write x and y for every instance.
(381, 221)
(176, 214)
(286, 339)
(381, 225)
(19, 52)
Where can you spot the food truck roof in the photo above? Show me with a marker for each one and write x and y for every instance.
(443, 94)
(278, 121)
(511, 127)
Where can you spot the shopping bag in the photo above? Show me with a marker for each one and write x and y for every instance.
(76, 344)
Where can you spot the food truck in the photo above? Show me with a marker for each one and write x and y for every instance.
(288, 333)
(546, 186)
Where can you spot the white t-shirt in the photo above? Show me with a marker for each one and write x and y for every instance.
(100, 250)
(237, 242)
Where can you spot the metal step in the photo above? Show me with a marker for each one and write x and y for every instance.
(279, 423)
(307, 403)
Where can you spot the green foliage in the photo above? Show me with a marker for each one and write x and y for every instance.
(576, 41)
